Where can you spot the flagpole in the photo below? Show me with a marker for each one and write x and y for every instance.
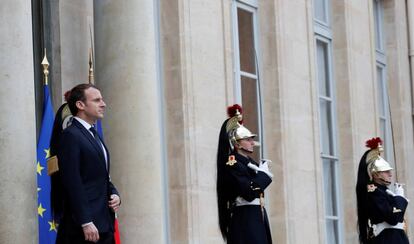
(91, 78)
(47, 227)
(45, 65)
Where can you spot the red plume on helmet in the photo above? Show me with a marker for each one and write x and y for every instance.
(67, 95)
(232, 110)
(373, 142)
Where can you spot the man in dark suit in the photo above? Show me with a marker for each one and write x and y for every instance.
(90, 199)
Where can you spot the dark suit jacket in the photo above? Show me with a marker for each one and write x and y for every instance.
(86, 182)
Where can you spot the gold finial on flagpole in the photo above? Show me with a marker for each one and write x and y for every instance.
(45, 65)
(91, 81)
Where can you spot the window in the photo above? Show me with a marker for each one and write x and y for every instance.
(381, 77)
(246, 74)
(327, 122)
(321, 10)
(378, 25)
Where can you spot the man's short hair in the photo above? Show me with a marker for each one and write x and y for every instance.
(78, 94)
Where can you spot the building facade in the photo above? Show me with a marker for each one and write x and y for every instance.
(316, 78)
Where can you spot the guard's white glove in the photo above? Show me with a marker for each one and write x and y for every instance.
(399, 190)
(265, 160)
(253, 167)
(390, 192)
(263, 167)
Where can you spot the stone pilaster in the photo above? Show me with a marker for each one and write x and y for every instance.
(126, 72)
(18, 206)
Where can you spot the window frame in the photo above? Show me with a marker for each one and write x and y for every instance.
(325, 26)
(249, 6)
(382, 82)
(323, 34)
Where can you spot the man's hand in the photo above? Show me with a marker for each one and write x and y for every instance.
(114, 202)
(399, 190)
(91, 232)
(264, 166)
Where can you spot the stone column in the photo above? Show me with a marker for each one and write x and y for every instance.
(17, 125)
(293, 122)
(197, 73)
(126, 72)
(354, 68)
(272, 120)
(400, 96)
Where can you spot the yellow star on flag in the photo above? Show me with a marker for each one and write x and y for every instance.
(40, 210)
(52, 226)
(47, 151)
(39, 168)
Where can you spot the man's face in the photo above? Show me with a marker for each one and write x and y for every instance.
(247, 144)
(94, 106)
(384, 176)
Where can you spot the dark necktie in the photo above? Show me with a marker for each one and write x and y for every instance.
(95, 135)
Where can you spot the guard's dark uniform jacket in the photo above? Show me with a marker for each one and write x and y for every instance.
(388, 209)
(249, 223)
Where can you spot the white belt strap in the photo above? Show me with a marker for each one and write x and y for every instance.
(242, 202)
(378, 228)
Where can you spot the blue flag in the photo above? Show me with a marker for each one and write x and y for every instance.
(99, 128)
(47, 226)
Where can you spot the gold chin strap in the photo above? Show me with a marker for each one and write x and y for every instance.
(382, 181)
(245, 150)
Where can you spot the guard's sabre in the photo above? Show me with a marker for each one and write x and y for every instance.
(91, 76)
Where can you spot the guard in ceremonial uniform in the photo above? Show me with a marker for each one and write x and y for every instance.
(240, 184)
(63, 119)
(380, 210)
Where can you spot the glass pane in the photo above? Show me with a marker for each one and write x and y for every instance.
(250, 111)
(381, 93)
(332, 231)
(326, 127)
(323, 68)
(320, 10)
(383, 135)
(246, 41)
(329, 187)
(378, 24)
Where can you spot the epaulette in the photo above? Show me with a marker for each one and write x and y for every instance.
(371, 187)
(232, 160)
(396, 210)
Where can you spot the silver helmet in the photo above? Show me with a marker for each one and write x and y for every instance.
(234, 127)
(375, 163)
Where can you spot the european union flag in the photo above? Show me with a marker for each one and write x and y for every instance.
(47, 226)
(99, 128)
